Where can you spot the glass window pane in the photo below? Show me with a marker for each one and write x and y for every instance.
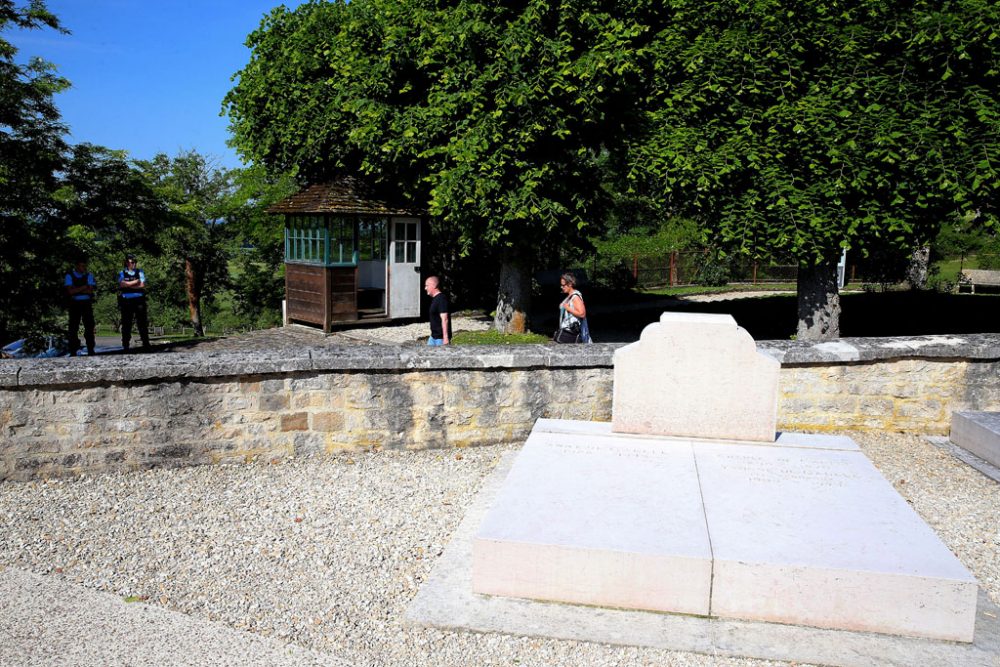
(411, 231)
(411, 252)
(400, 252)
(400, 231)
(342, 241)
(371, 239)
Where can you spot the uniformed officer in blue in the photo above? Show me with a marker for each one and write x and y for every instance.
(132, 302)
(80, 287)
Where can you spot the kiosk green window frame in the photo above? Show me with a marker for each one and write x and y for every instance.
(321, 240)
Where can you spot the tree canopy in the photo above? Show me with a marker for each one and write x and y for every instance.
(184, 217)
(798, 128)
(809, 127)
(31, 151)
(494, 117)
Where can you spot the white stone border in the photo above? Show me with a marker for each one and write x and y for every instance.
(446, 601)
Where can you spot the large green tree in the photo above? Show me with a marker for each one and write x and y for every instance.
(495, 117)
(31, 152)
(194, 238)
(808, 126)
(258, 287)
(784, 128)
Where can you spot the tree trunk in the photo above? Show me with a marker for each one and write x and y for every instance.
(920, 262)
(819, 301)
(192, 282)
(513, 298)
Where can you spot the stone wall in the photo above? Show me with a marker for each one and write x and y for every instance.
(71, 416)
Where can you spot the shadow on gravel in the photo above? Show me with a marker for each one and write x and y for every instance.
(775, 317)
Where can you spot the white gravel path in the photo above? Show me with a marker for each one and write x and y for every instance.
(326, 553)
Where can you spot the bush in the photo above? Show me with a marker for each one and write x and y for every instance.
(714, 272)
(989, 255)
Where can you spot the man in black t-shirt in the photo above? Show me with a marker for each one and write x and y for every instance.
(439, 313)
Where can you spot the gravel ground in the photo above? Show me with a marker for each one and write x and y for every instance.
(326, 553)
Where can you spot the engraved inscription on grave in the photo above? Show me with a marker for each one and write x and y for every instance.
(785, 470)
(654, 456)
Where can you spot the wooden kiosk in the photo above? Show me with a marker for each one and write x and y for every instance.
(349, 256)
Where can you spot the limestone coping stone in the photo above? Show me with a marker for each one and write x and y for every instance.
(200, 365)
(980, 346)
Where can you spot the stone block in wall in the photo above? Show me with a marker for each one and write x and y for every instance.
(305, 400)
(308, 383)
(8, 376)
(364, 397)
(328, 421)
(920, 410)
(237, 404)
(459, 417)
(425, 393)
(847, 405)
(274, 402)
(276, 386)
(298, 421)
(309, 443)
(876, 407)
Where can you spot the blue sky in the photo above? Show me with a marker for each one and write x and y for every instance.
(148, 75)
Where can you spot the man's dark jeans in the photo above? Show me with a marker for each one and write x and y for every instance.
(134, 310)
(81, 310)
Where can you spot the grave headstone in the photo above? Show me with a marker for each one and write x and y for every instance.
(697, 375)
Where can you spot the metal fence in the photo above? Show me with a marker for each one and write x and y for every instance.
(694, 267)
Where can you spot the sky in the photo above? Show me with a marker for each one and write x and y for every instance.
(148, 76)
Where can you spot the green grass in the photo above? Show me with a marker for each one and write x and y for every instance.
(734, 287)
(492, 337)
(948, 269)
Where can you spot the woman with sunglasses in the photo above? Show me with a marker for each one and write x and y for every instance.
(572, 313)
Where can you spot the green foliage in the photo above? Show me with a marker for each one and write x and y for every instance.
(195, 240)
(496, 117)
(615, 256)
(31, 152)
(258, 283)
(989, 254)
(958, 238)
(674, 234)
(59, 202)
(713, 272)
(803, 127)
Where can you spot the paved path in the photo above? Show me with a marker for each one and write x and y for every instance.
(46, 621)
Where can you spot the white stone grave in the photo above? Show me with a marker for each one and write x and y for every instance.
(820, 538)
(570, 514)
(801, 529)
(979, 433)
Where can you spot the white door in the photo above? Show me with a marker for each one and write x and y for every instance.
(404, 267)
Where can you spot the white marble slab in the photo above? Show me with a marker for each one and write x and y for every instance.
(803, 531)
(445, 600)
(697, 375)
(820, 538)
(599, 522)
(785, 439)
(978, 433)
